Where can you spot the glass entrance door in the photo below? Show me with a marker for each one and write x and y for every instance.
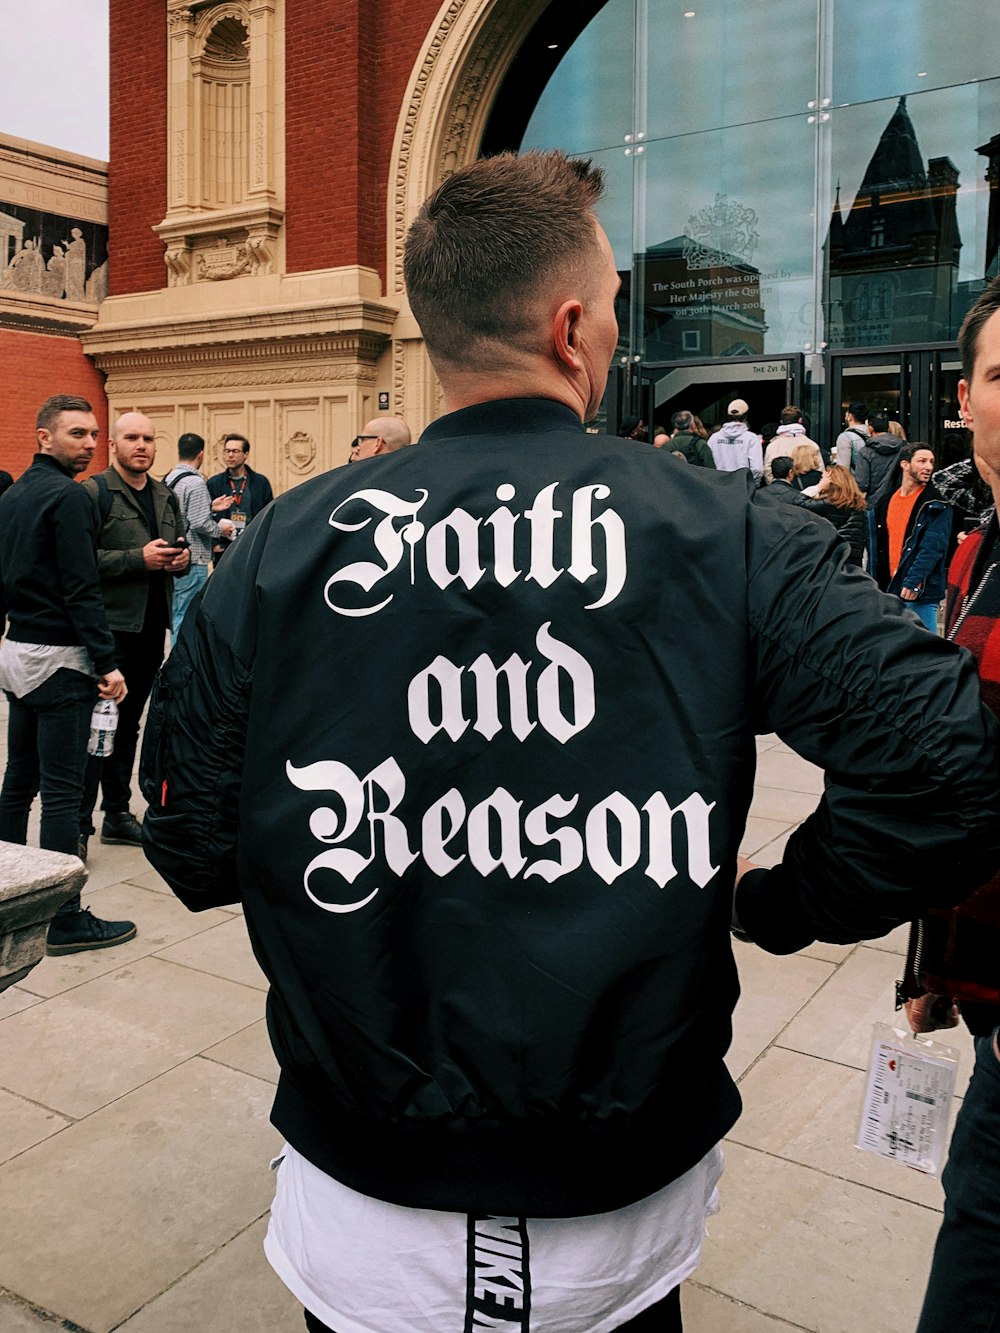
(707, 388)
(918, 387)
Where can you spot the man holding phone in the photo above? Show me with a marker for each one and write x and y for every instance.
(141, 546)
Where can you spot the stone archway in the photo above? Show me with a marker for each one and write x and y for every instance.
(452, 86)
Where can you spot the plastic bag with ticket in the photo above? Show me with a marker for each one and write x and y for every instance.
(908, 1099)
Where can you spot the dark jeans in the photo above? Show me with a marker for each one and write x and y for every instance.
(138, 659)
(663, 1317)
(47, 734)
(963, 1291)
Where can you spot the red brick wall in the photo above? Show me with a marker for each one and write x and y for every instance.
(137, 174)
(35, 367)
(347, 64)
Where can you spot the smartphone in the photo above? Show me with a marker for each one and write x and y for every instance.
(180, 543)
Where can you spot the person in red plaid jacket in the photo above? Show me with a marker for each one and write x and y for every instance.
(963, 1290)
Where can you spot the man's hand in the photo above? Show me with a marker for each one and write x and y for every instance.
(742, 866)
(112, 686)
(928, 1013)
(222, 504)
(181, 561)
(159, 554)
(227, 527)
(908, 594)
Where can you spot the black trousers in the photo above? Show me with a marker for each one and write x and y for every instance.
(139, 657)
(47, 734)
(663, 1317)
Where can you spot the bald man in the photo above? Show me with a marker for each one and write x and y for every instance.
(381, 435)
(137, 558)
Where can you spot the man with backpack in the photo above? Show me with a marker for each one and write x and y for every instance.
(140, 547)
(191, 489)
(852, 437)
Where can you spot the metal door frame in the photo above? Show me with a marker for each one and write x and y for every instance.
(919, 381)
(642, 389)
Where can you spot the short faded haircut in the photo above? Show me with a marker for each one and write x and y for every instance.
(53, 408)
(968, 335)
(489, 242)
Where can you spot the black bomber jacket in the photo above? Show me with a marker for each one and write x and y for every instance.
(469, 731)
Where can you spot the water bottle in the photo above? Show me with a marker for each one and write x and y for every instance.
(103, 724)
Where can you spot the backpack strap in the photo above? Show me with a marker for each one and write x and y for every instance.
(103, 497)
(177, 479)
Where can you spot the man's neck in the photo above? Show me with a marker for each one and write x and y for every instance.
(137, 480)
(237, 472)
(527, 382)
(910, 486)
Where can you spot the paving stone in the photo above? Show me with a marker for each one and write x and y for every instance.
(23, 1124)
(780, 767)
(16, 998)
(774, 852)
(807, 1111)
(824, 1254)
(223, 951)
(837, 1025)
(160, 921)
(788, 807)
(81, 1050)
(773, 992)
(708, 1311)
(758, 833)
(113, 1211)
(249, 1050)
(18, 1318)
(236, 1284)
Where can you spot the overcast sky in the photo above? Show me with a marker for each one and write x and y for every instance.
(54, 86)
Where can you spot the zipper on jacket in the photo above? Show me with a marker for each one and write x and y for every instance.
(910, 987)
(969, 600)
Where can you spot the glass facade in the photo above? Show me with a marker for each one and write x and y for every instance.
(801, 193)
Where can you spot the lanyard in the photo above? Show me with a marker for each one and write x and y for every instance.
(237, 494)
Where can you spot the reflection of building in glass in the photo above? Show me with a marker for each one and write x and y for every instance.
(892, 265)
(705, 303)
(991, 151)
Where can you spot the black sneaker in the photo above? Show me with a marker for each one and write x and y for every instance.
(122, 830)
(81, 847)
(72, 932)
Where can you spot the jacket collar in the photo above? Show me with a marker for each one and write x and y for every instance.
(47, 461)
(505, 416)
(158, 491)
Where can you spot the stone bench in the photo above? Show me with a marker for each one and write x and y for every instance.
(33, 884)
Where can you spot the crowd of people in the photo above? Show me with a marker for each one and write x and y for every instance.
(494, 902)
(877, 489)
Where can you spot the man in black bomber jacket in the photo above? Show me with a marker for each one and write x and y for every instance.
(495, 909)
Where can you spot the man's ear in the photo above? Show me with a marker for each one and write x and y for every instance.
(379, 447)
(566, 334)
(965, 403)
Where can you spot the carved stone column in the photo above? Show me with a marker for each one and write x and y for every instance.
(182, 129)
(262, 111)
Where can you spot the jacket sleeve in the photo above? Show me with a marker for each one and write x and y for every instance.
(755, 455)
(75, 523)
(910, 814)
(705, 454)
(114, 564)
(931, 550)
(198, 510)
(195, 736)
(863, 471)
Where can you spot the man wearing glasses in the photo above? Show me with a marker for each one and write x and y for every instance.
(382, 435)
(238, 493)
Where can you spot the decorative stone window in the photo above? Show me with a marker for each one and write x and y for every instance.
(224, 108)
